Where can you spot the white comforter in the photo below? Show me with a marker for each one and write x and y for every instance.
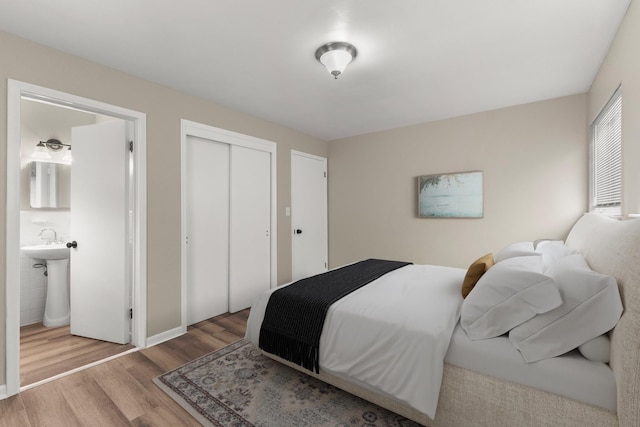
(390, 336)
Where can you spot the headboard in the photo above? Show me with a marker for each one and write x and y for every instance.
(612, 247)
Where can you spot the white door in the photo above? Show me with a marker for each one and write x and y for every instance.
(99, 284)
(207, 175)
(250, 226)
(308, 215)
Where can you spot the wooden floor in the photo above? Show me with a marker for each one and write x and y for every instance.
(121, 392)
(47, 352)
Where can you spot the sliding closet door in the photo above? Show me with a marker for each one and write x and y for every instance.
(250, 226)
(207, 175)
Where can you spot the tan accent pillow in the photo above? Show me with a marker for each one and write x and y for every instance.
(475, 272)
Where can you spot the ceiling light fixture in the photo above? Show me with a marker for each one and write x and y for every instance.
(335, 56)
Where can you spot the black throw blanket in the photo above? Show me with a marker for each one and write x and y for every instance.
(295, 314)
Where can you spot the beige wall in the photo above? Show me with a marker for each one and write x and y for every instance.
(534, 159)
(39, 65)
(622, 66)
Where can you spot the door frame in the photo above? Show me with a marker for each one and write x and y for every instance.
(137, 234)
(199, 130)
(325, 222)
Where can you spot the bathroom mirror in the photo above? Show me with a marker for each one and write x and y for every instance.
(49, 185)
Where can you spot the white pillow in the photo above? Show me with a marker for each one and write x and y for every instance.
(514, 250)
(541, 242)
(508, 294)
(591, 306)
(597, 349)
(553, 250)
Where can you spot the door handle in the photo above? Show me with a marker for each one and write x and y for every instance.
(73, 244)
(298, 231)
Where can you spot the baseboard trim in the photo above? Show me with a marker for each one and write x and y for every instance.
(3, 392)
(165, 336)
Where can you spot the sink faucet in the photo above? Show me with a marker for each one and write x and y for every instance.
(49, 240)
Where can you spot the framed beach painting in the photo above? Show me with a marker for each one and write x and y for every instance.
(450, 195)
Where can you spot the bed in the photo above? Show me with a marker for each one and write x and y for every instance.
(471, 388)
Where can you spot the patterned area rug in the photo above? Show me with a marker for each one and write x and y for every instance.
(238, 386)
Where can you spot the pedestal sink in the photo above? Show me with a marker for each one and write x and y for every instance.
(56, 256)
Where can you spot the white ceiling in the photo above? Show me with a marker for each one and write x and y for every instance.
(418, 60)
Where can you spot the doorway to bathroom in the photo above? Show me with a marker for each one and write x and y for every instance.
(101, 239)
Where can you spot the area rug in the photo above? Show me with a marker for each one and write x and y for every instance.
(238, 386)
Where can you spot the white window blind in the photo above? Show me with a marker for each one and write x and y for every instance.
(606, 157)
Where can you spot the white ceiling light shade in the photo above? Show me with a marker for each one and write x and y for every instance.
(335, 56)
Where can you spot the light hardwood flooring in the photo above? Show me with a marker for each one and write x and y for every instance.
(120, 392)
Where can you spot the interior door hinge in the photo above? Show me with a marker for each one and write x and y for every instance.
(131, 313)
(131, 146)
(325, 174)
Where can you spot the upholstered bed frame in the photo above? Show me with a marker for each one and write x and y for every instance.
(468, 398)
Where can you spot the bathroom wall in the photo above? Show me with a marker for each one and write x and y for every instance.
(41, 122)
(33, 283)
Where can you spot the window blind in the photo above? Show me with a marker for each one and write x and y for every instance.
(606, 149)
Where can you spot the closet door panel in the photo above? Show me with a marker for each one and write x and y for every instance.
(250, 226)
(207, 229)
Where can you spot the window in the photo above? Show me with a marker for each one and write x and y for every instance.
(606, 158)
